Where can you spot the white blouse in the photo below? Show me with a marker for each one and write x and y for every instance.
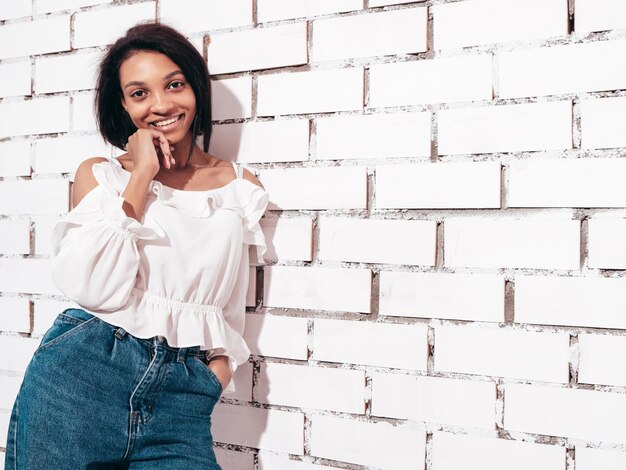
(182, 273)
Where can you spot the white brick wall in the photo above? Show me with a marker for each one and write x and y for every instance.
(445, 265)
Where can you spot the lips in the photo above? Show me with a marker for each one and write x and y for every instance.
(169, 126)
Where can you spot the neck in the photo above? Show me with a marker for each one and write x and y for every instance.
(183, 153)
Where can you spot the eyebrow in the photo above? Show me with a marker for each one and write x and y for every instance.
(169, 75)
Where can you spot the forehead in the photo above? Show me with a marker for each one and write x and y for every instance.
(145, 65)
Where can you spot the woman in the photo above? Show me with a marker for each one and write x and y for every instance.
(155, 252)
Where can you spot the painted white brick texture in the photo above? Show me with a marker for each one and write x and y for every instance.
(308, 387)
(599, 15)
(35, 37)
(445, 80)
(434, 399)
(378, 444)
(547, 410)
(404, 31)
(501, 352)
(375, 344)
(571, 68)
(506, 128)
(200, 15)
(374, 136)
(438, 185)
(588, 459)
(359, 240)
(478, 297)
(276, 336)
(476, 22)
(288, 238)
(466, 452)
(232, 98)
(602, 122)
(20, 73)
(264, 48)
(342, 289)
(274, 10)
(596, 302)
(37, 116)
(597, 362)
(606, 248)
(326, 91)
(539, 242)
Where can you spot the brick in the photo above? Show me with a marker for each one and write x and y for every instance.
(434, 400)
(9, 387)
(310, 92)
(343, 341)
(596, 302)
(88, 30)
(64, 154)
(512, 243)
(191, 16)
(596, 363)
(373, 136)
(348, 290)
(599, 15)
(274, 10)
(16, 352)
(262, 48)
(466, 78)
(275, 430)
(15, 158)
(606, 249)
(51, 72)
(547, 410)
(438, 185)
(602, 123)
(37, 116)
(233, 460)
(502, 353)
(477, 297)
(231, 98)
(19, 84)
(16, 9)
(16, 197)
(290, 238)
(298, 188)
(281, 462)
(43, 234)
(15, 316)
(277, 336)
(14, 237)
(473, 23)
(381, 445)
(35, 37)
(591, 459)
(512, 128)
(264, 141)
(307, 387)
(556, 70)
(243, 384)
(27, 276)
(358, 240)
(378, 3)
(83, 118)
(48, 6)
(466, 452)
(45, 312)
(347, 37)
(580, 182)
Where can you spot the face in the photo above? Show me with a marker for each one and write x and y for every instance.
(155, 91)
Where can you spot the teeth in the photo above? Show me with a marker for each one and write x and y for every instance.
(165, 123)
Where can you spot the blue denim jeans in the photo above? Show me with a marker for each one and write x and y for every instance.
(96, 397)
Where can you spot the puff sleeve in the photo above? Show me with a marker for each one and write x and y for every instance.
(96, 258)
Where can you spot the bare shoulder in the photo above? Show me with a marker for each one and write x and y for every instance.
(84, 180)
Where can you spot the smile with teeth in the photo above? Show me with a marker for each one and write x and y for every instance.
(166, 124)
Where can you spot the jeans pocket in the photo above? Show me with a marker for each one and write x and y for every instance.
(67, 324)
(208, 372)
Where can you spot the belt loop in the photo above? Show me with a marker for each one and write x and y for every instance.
(182, 352)
(120, 333)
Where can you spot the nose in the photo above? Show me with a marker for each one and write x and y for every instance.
(161, 104)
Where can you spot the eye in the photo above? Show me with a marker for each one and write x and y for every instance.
(134, 94)
(178, 82)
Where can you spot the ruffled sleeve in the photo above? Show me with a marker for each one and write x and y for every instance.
(96, 258)
(251, 213)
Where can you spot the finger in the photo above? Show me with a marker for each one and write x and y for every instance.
(165, 150)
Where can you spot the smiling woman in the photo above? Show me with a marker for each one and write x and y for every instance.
(160, 272)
